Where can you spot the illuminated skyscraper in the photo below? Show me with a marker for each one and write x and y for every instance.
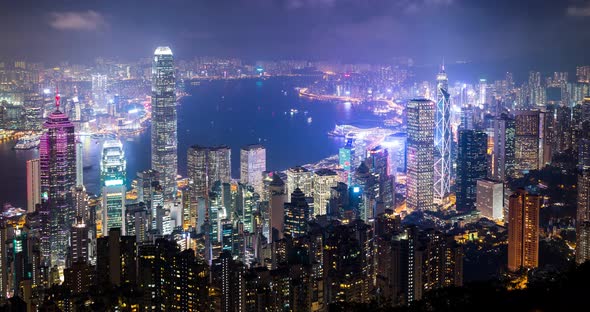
(529, 140)
(207, 165)
(33, 185)
(503, 148)
(57, 161)
(471, 166)
(296, 214)
(490, 199)
(164, 120)
(252, 165)
(99, 90)
(323, 182)
(299, 177)
(583, 203)
(346, 157)
(523, 230)
(420, 149)
(113, 173)
(442, 139)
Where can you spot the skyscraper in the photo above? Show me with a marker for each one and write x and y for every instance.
(207, 165)
(583, 203)
(420, 149)
(113, 178)
(528, 140)
(99, 90)
(490, 199)
(57, 161)
(323, 182)
(503, 166)
(299, 178)
(252, 165)
(33, 185)
(296, 214)
(471, 166)
(523, 230)
(442, 139)
(164, 120)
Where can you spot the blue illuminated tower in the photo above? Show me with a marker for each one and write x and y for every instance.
(112, 175)
(442, 139)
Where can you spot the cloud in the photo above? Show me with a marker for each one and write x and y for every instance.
(579, 11)
(82, 21)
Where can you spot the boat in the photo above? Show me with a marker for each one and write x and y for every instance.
(27, 142)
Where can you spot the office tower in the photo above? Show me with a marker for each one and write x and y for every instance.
(490, 199)
(471, 166)
(33, 185)
(503, 166)
(207, 165)
(523, 230)
(563, 129)
(113, 204)
(296, 214)
(483, 86)
(345, 159)
(323, 182)
(583, 74)
(442, 139)
(146, 182)
(164, 120)
(79, 163)
(81, 203)
(583, 203)
(57, 164)
(113, 177)
(80, 243)
(248, 199)
(467, 118)
(528, 140)
(276, 213)
(299, 178)
(137, 221)
(420, 149)
(252, 165)
(99, 90)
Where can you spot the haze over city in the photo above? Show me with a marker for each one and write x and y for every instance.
(294, 155)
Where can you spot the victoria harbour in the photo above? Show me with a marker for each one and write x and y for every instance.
(267, 111)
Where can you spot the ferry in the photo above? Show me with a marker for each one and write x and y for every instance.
(27, 142)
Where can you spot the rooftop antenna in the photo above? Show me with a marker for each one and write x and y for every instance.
(57, 97)
(443, 64)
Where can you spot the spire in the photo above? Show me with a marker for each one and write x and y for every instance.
(57, 97)
(442, 68)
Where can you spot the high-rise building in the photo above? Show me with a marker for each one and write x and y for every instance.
(252, 165)
(99, 90)
(420, 149)
(345, 159)
(276, 213)
(490, 199)
(299, 178)
(442, 139)
(164, 120)
(57, 164)
(80, 243)
(296, 214)
(503, 165)
(79, 163)
(323, 182)
(528, 140)
(471, 166)
(113, 177)
(583, 203)
(33, 185)
(207, 165)
(523, 230)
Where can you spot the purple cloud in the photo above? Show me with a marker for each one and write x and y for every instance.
(82, 21)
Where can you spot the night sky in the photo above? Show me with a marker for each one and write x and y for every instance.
(355, 30)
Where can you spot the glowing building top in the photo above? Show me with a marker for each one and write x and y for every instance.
(113, 164)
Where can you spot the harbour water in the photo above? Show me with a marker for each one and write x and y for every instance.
(235, 113)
